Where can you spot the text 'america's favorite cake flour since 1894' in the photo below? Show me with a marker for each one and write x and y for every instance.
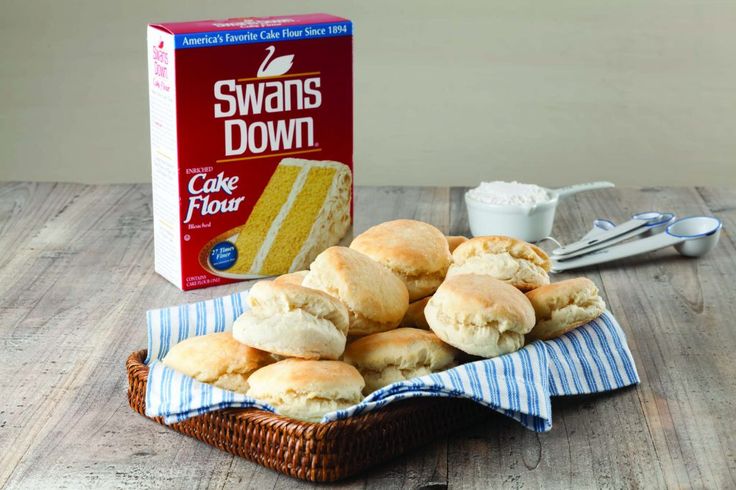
(251, 145)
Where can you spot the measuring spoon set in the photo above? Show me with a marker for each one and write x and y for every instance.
(692, 236)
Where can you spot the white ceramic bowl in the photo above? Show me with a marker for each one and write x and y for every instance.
(528, 223)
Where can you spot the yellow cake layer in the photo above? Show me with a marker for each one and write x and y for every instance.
(252, 234)
(298, 223)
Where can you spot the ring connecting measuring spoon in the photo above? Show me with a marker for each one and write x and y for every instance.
(692, 237)
(637, 221)
(650, 228)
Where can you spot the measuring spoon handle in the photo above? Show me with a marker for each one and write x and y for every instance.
(569, 190)
(617, 252)
(604, 236)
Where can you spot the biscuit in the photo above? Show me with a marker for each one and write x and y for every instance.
(293, 321)
(480, 315)
(453, 241)
(414, 316)
(417, 252)
(564, 306)
(376, 299)
(307, 390)
(291, 278)
(507, 259)
(397, 355)
(217, 359)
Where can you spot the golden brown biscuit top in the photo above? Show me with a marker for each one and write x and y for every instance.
(407, 246)
(291, 278)
(323, 379)
(555, 296)
(454, 241)
(208, 357)
(477, 300)
(364, 285)
(406, 348)
(500, 244)
(414, 316)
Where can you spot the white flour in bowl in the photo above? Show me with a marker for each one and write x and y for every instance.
(509, 193)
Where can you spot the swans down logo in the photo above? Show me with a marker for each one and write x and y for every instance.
(272, 91)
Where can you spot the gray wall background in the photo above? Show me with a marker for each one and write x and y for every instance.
(641, 92)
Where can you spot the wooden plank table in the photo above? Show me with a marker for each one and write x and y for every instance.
(76, 276)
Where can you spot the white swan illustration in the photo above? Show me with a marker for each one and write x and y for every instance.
(275, 67)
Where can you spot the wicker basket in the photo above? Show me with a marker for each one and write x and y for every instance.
(317, 452)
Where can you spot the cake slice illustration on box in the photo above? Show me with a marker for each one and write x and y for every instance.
(304, 209)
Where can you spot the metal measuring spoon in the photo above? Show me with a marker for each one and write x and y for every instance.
(648, 229)
(637, 221)
(693, 236)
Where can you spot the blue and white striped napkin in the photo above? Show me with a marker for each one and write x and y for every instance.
(590, 359)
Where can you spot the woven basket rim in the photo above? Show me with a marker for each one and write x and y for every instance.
(318, 452)
(137, 367)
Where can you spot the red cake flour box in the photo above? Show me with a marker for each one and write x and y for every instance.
(251, 145)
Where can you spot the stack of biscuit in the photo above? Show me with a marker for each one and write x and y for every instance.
(402, 301)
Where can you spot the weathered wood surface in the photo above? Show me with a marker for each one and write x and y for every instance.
(76, 277)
